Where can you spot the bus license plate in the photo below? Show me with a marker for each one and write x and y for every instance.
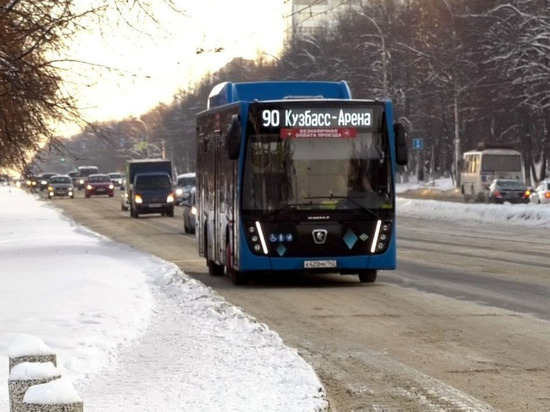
(319, 264)
(155, 205)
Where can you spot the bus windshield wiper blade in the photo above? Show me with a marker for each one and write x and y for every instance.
(286, 207)
(351, 199)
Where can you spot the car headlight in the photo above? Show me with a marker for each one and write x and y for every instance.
(193, 210)
(43, 182)
(81, 181)
(138, 199)
(179, 192)
(50, 188)
(89, 187)
(111, 187)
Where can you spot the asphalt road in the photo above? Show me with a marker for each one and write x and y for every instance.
(462, 324)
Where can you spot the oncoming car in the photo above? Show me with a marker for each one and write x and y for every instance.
(61, 185)
(43, 180)
(99, 184)
(541, 195)
(184, 184)
(507, 190)
(116, 178)
(189, 211)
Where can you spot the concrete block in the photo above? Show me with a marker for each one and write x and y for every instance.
(57, 395)
(25, 375)
(52, 358)
(68, 407)
(29, 348)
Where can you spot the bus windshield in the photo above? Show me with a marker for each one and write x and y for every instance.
(316, 168)
(501, 163)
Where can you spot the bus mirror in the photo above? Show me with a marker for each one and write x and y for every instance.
(401, 155)
(233, 138)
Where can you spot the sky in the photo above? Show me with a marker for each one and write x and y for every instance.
(149, 65)
(131, 329)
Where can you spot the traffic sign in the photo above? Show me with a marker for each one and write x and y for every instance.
(418, 143)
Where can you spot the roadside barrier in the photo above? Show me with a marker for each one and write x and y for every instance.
(35, 384)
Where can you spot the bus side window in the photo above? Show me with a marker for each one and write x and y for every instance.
(476, 164)
(466, 166)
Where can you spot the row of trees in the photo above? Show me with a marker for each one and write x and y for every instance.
(34, 36)
(459, 72)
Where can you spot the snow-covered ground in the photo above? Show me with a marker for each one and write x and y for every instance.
(132, 332)
(530, 214)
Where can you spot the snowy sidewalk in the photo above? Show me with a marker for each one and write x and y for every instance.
(131, 331)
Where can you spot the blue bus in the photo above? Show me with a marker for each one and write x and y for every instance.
(296, 176)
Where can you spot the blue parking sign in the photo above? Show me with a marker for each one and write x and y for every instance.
(418, 143)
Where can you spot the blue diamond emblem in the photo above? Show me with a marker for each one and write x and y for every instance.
(281, 250)
(350, 238)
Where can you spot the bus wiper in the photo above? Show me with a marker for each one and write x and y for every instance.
(351, 199)
(286, 207)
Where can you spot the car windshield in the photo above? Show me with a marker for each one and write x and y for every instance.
(99, 179)
(60, 179)
(153, 182)
(114, 175)
(187, 181)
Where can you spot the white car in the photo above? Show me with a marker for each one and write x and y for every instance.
(184, 184)
(541, 195)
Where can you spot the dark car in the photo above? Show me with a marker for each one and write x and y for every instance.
(99, 184)
(189, 211)
(61, 185)
(508, 190)
(153, 193)
(43, 180)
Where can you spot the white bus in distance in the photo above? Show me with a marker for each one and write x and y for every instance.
(481, 166)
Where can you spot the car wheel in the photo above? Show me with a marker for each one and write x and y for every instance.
(170, 213)
(87, 196)
(367, 276)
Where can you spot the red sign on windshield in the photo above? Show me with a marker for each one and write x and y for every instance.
(319, 133)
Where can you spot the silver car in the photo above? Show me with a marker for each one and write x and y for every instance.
(60, 186)
(189, 211)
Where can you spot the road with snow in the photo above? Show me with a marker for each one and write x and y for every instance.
(463, 324)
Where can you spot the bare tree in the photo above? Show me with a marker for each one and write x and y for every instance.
(33, 35)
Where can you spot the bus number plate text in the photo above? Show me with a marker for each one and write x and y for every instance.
(319, 264)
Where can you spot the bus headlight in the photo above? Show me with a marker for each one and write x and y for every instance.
(381, 237)
(170, 198)
(138, 199)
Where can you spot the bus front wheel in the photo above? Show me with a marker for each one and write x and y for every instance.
(367, 276)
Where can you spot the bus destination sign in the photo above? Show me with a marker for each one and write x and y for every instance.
(322, 117)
